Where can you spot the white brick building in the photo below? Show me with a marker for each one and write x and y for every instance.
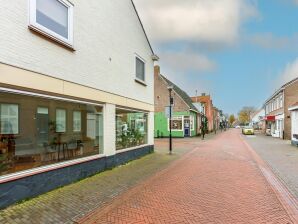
(76, 86)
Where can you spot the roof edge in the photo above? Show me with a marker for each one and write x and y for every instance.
(139, 18)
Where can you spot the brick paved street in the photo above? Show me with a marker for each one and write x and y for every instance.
(74, 201)
(221, 181)
(281, 156)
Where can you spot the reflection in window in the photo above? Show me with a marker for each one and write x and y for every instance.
(53, 15)
(9, 118)
(140, 69)
(131, 129)
(41, 133)
(77, 116)
(60, 120)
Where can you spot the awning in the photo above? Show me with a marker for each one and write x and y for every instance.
(270, 118)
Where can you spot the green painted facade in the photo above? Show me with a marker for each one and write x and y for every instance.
(161, 125)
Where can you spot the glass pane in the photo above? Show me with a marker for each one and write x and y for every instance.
(131, 129)
(9, 119)
(60, 120)
(53, 15)
(30, 139)
(140, 69)
(77, 121)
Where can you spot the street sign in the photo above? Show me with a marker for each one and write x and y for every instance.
(167, 111)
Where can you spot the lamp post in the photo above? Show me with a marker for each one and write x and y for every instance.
(170, 88)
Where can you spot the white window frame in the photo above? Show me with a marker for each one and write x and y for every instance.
(74, 120)
(135, 69)
(176, 118)
(47, 32)
(192, 123)
(11, 117)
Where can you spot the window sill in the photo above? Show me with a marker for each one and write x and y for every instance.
(51, 37)
(140, 82)
(131, 148)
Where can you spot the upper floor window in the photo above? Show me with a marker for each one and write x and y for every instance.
(53, 18)
(140, 69)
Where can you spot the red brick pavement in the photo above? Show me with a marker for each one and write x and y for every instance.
(218, 182)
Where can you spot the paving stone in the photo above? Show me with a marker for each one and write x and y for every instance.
(218, 182)
(67, 204)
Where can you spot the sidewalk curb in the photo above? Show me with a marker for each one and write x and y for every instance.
(286, 198)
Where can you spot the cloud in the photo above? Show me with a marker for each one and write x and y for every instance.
(290, 72)
(296, 2)
(187, 61)
(270, 41)
(216, 21)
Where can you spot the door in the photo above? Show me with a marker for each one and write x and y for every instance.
(42, 125)
(186, 127)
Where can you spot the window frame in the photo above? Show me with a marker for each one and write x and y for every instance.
(135, 69)
(180, 118)
(34, 25)
(18, 117)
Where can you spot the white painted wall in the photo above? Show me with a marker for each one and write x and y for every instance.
(102, 30)
(109, 139)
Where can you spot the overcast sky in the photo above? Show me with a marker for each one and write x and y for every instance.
(240, 51)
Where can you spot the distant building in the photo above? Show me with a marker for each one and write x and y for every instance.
(277, 113)
(185, 114)
(207, 108)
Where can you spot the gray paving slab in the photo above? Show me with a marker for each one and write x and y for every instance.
(281, 156)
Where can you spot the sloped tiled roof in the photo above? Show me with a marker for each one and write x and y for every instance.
(181, 93)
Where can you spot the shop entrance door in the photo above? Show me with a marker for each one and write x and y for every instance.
(186, 127)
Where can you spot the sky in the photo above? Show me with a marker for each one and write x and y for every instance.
(239, 51)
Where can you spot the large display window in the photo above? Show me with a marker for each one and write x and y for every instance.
(131, 129)
(38, 131)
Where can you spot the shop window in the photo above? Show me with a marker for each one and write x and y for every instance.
(9, 118)
(140, 69)
(77, 121)
(37, 131)
(131, 129)
(177, 123)
(53, 18)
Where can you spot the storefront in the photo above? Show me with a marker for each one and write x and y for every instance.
(38, 130)
(48, 141)
(275, 126)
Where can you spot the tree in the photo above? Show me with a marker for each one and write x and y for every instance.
(232, 119)
(245, 113)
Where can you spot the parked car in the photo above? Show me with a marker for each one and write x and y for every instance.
(248, 130)
(238, 127)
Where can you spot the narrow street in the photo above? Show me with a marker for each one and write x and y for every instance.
(221, 181)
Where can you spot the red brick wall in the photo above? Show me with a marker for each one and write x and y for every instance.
(208, 108)
(161, 95)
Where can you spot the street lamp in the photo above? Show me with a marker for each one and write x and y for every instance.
(170, 88)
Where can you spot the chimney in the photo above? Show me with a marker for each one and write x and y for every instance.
(156, 70)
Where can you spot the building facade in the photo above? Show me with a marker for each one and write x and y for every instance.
(257, 119)
(277, 114)
(208, 109)
(294, 123)
(184, 116)
(76, 92)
